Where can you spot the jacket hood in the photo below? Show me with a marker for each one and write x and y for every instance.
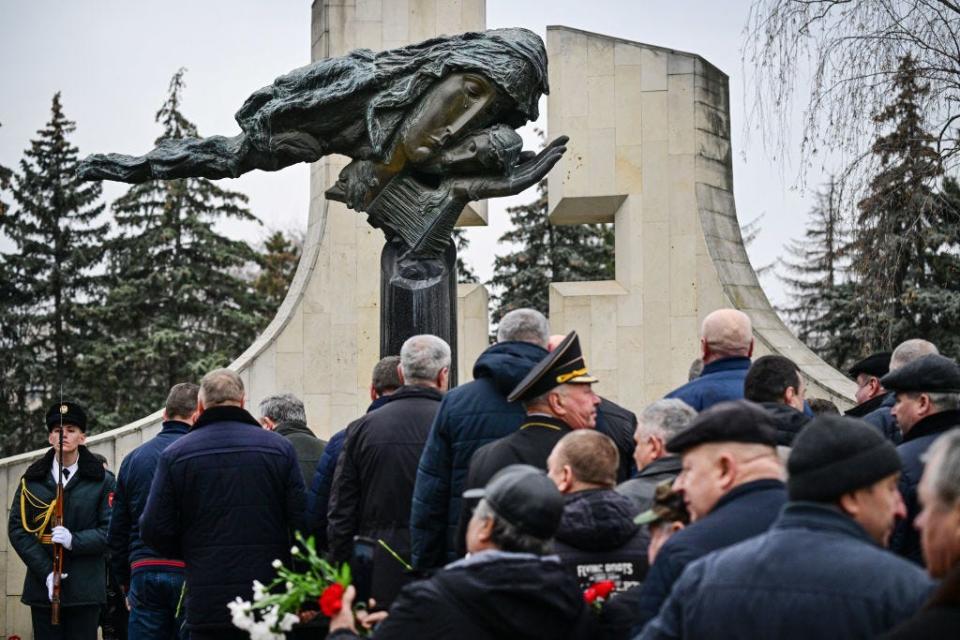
(788, 420)
(507, 363)
(516, 595)
(598, 520)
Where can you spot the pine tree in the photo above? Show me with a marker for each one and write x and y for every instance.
(906, 231)
(177, 306)
(278, 262)
(465, 274)
(824, 310)
(547, 253)
(50, 284)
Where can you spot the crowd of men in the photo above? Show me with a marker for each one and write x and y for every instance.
(523, 505)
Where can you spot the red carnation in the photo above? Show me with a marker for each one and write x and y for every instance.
(590, 595)
(331, 600)
(604, 588)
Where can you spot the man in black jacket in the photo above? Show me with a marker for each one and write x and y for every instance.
(88, 491)
(558, 397)
(659, 421)
(284, 414)
(151, 581)
(226, 498)
(928, 405)
(373, 484)
(775, 383)
(597, 539)
(507, 587)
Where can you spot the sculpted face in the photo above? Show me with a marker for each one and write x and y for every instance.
(450, 108)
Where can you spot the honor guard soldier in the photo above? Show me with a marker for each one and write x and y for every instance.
(81, 536)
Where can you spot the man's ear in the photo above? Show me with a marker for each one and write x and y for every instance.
(82, 438)
(675, 526)
(373, 393)
(485, 530)
(443, 379)
(555, 400)
(400, 374)
(704, 349)
(750, 350)
(727, 466)
(165, 416)
(658, 445)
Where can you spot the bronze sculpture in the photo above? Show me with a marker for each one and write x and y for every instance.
(429, 127)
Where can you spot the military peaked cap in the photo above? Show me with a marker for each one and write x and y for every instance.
(932, 373)
(735, 421)
(66, 412)
(563, 365)
(876, 364)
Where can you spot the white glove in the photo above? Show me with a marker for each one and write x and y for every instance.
(62, 535)
(50, 584)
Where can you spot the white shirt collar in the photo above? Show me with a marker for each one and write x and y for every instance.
(55, 469)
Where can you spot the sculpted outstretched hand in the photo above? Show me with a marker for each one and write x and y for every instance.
(526, 174)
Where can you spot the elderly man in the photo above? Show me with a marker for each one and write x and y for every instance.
(659, 422)
(558, 397)
(373, 484)
(867, 373)
(939, 526)
(153, 583)
(470, 416)
(726, 344)
(882, 417)
(820, 571)
(927, 405)
(732, 484)
(226, 498)
(597, 538)
(285, 414)
(385, 381)
(508, 587)
(775, 383)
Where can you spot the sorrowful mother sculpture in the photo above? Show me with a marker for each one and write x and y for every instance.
(429, 128)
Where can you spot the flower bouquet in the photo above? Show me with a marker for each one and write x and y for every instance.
(277, 606)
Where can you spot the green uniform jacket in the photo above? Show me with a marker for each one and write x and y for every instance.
(87, 500)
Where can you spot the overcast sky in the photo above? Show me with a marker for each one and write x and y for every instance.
(113, 59)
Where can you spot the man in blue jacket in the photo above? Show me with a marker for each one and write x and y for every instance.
(470, 416)
(151, 581)
(726, 344)
(731, 480)
(226, 498)
(821, 571)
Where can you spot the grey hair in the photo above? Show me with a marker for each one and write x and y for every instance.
(524, 325)
(943, 465)
(665, 418)
(944, 401)
(422, 357)
(910, 350)
(220, 386)
(283, 407)
(507, 537)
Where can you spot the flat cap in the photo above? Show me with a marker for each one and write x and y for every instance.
(525, 497)
(563, 365)
(875, 364)
(66, 412)
(931, 373)
(735, 421)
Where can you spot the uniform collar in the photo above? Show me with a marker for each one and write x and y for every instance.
(543, 421)
(87, 466)
(70, 471)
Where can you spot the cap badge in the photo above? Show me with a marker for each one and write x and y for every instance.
(64, 408)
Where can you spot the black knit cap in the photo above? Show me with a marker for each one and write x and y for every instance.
(932, 373)
(875, 364)
(66, 412)
(834, 455)
(734, 421)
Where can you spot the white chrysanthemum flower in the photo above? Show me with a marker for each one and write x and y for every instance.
(276, 564)
(286, 624)
(259, 590)
(262, 631)
(240, 614)
(294, 550)
(289, 586)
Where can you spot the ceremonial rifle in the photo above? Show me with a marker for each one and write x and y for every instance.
(58, 522)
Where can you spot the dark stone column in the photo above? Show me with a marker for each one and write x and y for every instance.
(418, 296)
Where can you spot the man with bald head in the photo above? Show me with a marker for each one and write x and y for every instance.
(226, 498)
(726, 344)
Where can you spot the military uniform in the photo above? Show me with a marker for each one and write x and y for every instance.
(87, 496)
